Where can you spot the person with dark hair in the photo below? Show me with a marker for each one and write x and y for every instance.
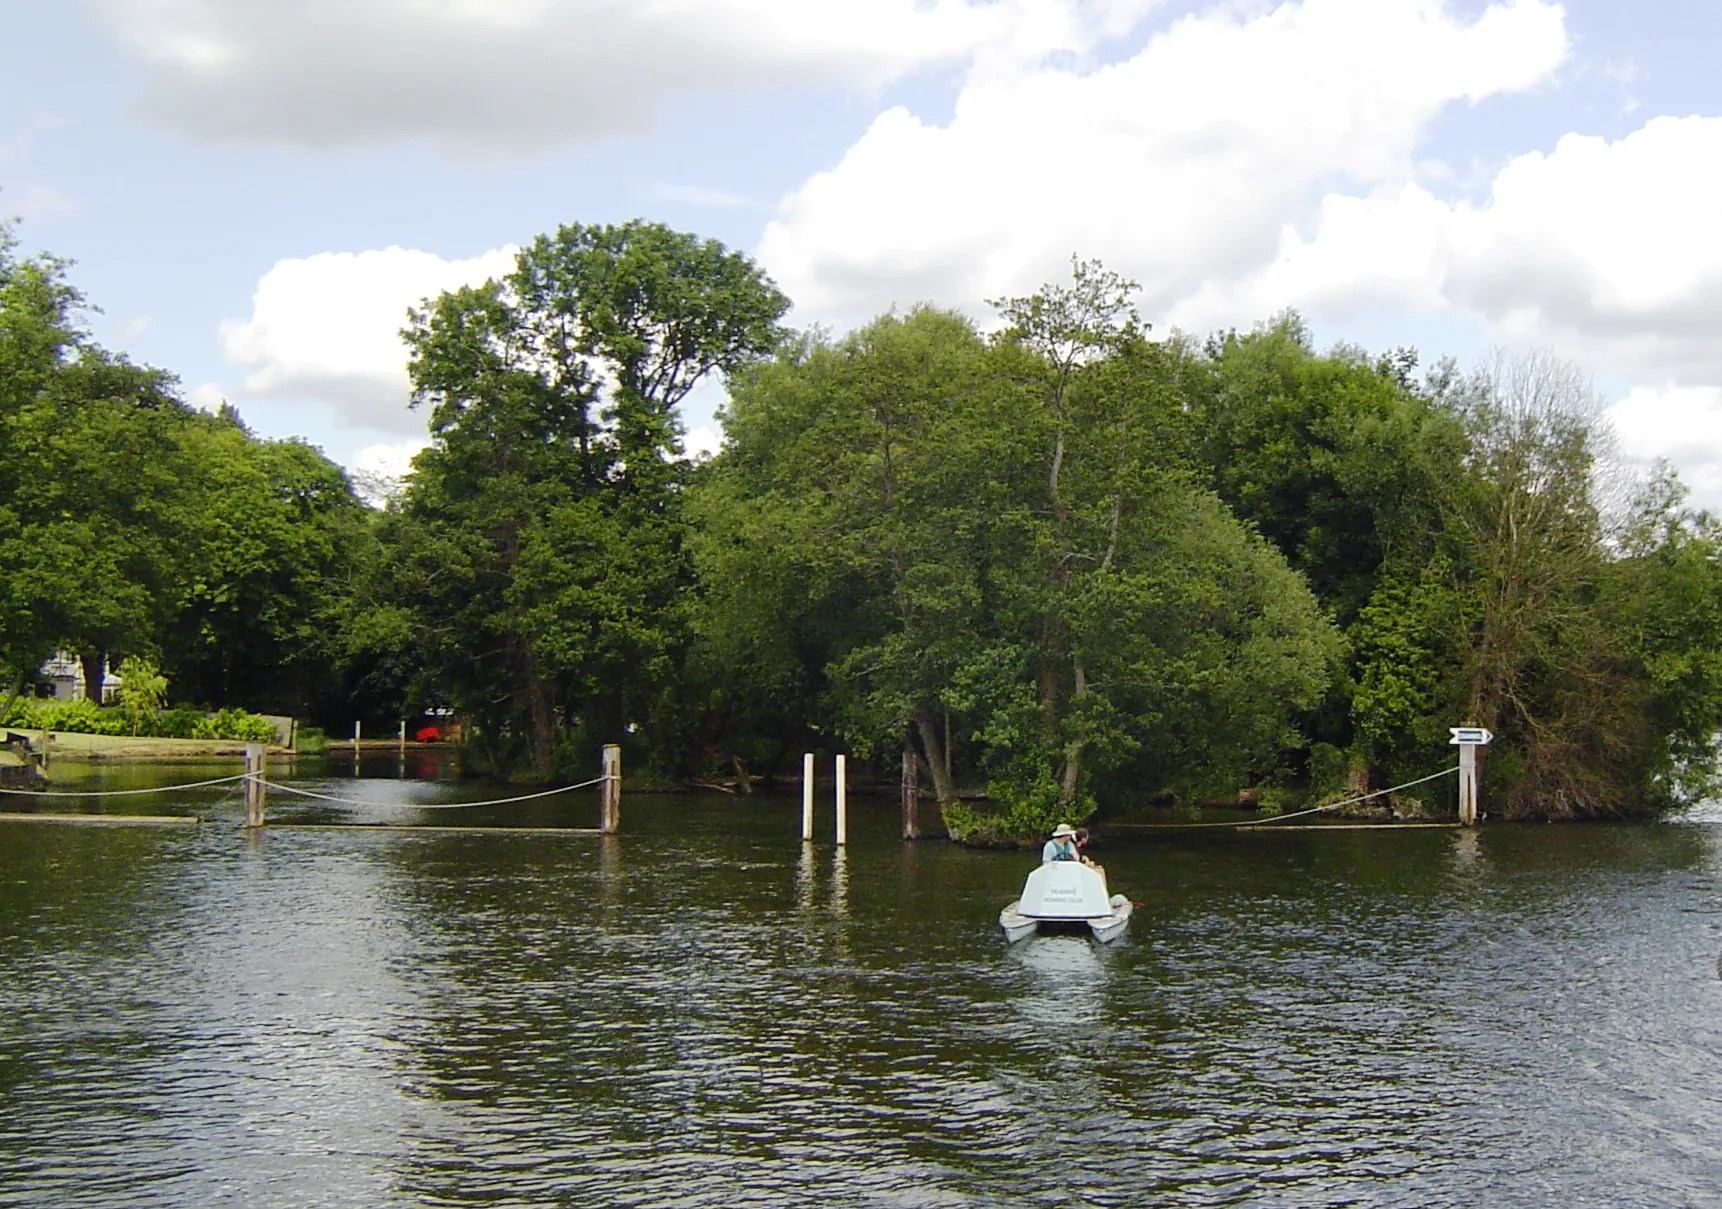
(1081, 842)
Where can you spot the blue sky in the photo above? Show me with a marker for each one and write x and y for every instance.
(231, 174)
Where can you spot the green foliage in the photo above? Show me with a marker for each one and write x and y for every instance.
(535, 574)
(143, 689)
(75, 717)
(998, 551)
(1065, 561)
(83, 717)
(132, 522)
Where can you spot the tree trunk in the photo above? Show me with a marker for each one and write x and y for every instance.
(1072, 773)
(17, 688)
(95, 673)
(743, 782)
(543, 726)
(937, 756)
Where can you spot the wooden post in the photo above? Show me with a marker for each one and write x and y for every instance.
(254, 784)
(807, 796)
(610, 815)
(842, 801)
(47, 742)
(911, 794)
(1468, 784)
(358, 730)
(1468, 739)
(403, 736)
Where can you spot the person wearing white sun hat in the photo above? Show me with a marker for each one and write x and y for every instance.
(1062, 845)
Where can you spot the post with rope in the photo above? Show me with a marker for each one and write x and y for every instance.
(842, 778)
(807, 798)
(1468, 739)
(610, 815)
(254, 784)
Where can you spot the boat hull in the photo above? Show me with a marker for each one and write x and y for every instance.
(1104, 928)
(1016, 925)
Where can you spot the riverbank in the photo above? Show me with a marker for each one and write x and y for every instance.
(72, 745)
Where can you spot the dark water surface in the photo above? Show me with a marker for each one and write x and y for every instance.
(703, 1013)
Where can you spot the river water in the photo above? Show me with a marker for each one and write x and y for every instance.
(702, 1012)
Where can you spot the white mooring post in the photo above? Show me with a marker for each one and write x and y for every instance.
(254, 784)
(403, 736)
(358, 731)
(610, 818)
(1468, 739)
(842, 801)
(807, 797)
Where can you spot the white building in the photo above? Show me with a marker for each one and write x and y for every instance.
(65, 673)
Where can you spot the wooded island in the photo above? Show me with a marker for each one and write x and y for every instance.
(1071, 561)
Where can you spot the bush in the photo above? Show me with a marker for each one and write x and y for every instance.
(74, 717)
(181, 722)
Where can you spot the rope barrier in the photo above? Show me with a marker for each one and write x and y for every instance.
(120, 793)
(1269, 822)
(525, 797)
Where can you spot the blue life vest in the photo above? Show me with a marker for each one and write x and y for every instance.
(1058, 850)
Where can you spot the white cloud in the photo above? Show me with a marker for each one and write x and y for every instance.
(327, 327)
(1609, 252)
(379, 471)
(488, 74)
(1179, 165)
(703, 441)
(207, 396)
(1682, 424)
(391, 458)
(1610, 243)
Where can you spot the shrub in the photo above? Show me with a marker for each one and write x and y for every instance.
(181, 722)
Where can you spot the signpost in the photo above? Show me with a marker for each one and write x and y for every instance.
(1468, 739)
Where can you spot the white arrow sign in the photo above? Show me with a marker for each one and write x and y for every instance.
(1469, 734)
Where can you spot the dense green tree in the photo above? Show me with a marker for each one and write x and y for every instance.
(539, 548)
(1331, 457)
(132, 523)
(280, 536)
(997, 550)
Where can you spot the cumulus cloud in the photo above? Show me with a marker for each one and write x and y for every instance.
(1615, 242)
(1680, 424)
(526, 73)
(327, 327)
(1179, 164)
(1607, 251)
(379, 471)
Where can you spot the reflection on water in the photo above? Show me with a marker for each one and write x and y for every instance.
(705, 1012)
(1467, 852)
(1069, 980)
(804, 887)
(840, 883)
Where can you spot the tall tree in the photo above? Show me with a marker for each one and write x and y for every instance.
(542, 530)
(997, 548)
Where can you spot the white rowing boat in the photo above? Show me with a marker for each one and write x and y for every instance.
(1066, 893)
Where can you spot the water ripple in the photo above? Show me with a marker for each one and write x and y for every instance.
(705, 1014)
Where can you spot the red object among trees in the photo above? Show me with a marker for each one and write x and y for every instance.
(426, 734)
